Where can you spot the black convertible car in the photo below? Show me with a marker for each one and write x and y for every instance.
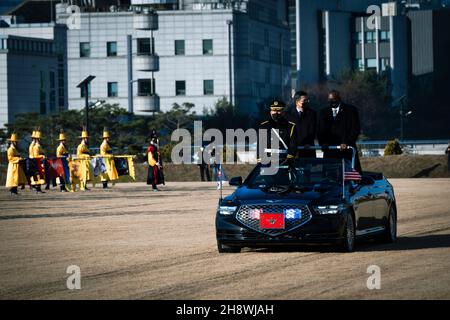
(311, 201)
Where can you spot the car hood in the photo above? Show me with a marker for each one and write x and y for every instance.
(245, 195)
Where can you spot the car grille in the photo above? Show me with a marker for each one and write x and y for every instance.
(243, 216)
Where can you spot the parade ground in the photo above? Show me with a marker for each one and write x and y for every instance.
(131, 243)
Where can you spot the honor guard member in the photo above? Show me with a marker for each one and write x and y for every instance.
(30, 148)
(15, 175)
(106, 152)
(83, 154)
(279, 128)
(62, 152)
(38, 153)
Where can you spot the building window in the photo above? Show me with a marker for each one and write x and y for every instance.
(179, 47)
(358, 64)
(85, 49)
(111, 49)
(207, 47)
(208, 87)
(112, 89)
(371, 64)
(180, 88)
(385, 36)
(385, 63)
(146, 87)
(357, 37)
(370, 37)
(143, 46)
(83, 91)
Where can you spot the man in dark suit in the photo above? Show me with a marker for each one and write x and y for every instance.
(305, 120)
(339, 126)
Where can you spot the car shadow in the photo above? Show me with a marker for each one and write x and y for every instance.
(426, 172)
(404, 243)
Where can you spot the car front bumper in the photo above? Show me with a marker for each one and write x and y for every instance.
(320, 229)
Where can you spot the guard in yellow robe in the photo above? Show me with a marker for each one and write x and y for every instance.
(38, 153)
(84, 169)
(62, 152)
(106, 152)
(15, 176)
(31, 147)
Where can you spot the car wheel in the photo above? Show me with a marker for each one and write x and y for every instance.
(348, 244)
(227, 249)
(390, 234)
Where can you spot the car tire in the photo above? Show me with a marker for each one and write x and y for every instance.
(227, 249)
(348, 244)
(390, 234)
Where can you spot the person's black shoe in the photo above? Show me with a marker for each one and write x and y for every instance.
(14, 191)
(105, 185)
(47, 187)
(63, 189)
(22, 187)
(39, 190)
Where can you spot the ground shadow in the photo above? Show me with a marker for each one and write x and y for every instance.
(403, 244)
(426, 172)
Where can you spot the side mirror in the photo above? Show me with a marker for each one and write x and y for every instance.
(367, 181)
(236, 181)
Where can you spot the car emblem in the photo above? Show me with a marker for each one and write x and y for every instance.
(272, 221)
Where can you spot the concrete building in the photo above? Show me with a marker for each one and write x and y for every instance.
(32, 69)
(157, 53)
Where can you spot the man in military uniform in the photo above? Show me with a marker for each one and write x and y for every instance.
(84, 171)
(106, 152)
(279, 129)
(61, 152)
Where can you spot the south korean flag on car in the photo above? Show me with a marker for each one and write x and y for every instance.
(292, 214)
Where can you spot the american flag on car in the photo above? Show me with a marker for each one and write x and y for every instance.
(350, 174)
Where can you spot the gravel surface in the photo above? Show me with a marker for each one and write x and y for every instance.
(131, 243)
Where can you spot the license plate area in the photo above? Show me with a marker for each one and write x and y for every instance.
(272, 221)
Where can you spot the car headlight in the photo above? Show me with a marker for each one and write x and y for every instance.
(331, 209)
(226, 211)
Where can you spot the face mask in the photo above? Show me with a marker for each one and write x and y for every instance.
(334, 104)
(276, 117)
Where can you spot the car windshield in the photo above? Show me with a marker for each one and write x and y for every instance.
(302, 173)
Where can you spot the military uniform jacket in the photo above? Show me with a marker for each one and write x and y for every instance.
(286, 130)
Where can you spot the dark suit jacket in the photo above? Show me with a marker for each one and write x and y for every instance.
(306, 127)
(344, 129)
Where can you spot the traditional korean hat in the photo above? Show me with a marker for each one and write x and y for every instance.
(38, 134)
(84, 133)
(105, 133)
(62, 136)
(13, 137)
(277, 105)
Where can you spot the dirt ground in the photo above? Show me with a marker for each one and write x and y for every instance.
(131, 243)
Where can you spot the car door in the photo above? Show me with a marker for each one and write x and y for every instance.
(381, 203)
(363, 203)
